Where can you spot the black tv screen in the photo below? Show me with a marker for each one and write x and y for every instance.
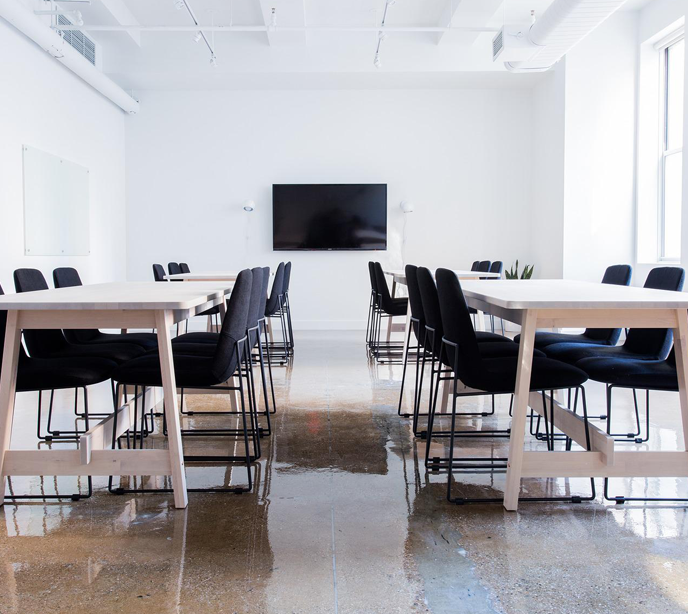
(329, 216)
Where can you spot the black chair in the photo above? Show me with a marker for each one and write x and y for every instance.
(195, 368)
(641, 343)
(287, 309)
(204, 343)
(67, 277)
(462, 354)
(483, 267)
(51, 343)
(388, 308)
(173, 268)
(647, 375)
(274, 310)
(496, 267)
(489, 345)
(39, 375)
(475, 265)
(417, 328)
(158, 272)
(184, 268)
(617, 274)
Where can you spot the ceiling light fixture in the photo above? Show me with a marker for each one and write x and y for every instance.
(213, 61)
(273, 20)
(197, 37)
(382, 35)
(179, 4)
(376, 61)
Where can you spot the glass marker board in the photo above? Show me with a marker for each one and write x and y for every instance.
(56, 205)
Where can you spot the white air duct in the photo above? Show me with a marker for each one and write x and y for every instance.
(26, 22)
(562, 26)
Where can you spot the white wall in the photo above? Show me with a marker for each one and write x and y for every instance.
(547, 215)
(44, 105)
(462, 156)
(599, 186)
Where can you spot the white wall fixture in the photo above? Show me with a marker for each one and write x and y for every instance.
(26, 22)
(249, 205)
(56, 206)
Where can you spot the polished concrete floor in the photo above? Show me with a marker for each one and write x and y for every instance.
(345, 519)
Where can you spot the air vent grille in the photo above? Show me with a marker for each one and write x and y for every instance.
(497, 44)
(82, 43)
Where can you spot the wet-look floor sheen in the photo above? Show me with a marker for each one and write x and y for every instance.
(345, 519)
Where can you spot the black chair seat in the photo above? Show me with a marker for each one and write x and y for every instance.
(41, 374)
(210, 312)
(651, 374)
(189, 370)
(543, 339)
(117, 352)
(485, 337)
(500, 350)
(573, 352)
(499, 375)
(397, 307)
(198, 337)
(148, 341)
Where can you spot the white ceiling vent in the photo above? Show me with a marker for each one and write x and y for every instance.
(562, 26)
(82, 43)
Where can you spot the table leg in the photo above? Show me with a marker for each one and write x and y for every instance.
(163, 320)
(8, 384)
(480, 321)
(681, 349)
(518, 422)
(391, 320)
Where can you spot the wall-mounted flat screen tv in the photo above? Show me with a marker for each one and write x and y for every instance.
(329, 216)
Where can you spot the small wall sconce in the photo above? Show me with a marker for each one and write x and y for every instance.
(406, 206)
(249, 205)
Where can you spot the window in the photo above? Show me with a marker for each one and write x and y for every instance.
(671, 162)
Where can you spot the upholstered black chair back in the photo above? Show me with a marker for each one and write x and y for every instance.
(158, 272)
(66, 277)
(264, 291)
(384, 297)
(184, 268)
(287, 277)
(234, 327)
(431, 310)
(619, 275)
(475, 265)
(273, 303)
(497, 267)
(484, 266)
(373, 281)
(173, 268)
(656, 341)
(415, 301)
(254, 307)
(457, 324)
(40, 343)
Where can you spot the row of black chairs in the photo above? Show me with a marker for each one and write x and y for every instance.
(77, 359)
(476, 363)
(277, 308)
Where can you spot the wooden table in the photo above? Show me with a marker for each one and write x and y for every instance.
(114, 305)
(557, 304)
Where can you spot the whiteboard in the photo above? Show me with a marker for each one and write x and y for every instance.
(56, 205)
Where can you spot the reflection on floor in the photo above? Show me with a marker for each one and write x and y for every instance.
(345, 519)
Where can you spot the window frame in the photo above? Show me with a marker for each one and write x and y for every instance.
(663, 47)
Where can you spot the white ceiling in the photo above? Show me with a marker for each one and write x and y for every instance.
(307, 59)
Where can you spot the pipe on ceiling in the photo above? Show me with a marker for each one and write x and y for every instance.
(49, 40)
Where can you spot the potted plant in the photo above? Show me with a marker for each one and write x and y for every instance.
(512, 273)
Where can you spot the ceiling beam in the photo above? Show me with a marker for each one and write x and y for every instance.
(287, 13)
(123, 15)
(469, 18)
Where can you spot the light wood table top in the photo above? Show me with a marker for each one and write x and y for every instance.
(130, 295)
